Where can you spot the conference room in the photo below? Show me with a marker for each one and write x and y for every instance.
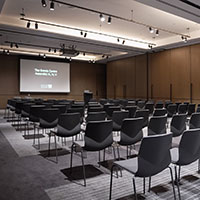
(99, 99)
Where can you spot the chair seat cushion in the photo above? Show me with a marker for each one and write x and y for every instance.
(130, 165)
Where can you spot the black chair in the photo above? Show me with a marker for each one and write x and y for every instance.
(95, 109)
(132, 110)
(191, 108)
(178, 124)
(160, 112)
(68, 126)
(131, 133)
(159, 104)
(80, 110)
(153, 158)
(187, 153)
(111, 109)
(194, 121)
(48, 120)
(145, 115)
(182, 108)
(150, 107)
(167, 103)
(94, 142)
(62, 108)
(171, 110)
(141, 104)
(96, 116)
(117, 118)
(157, 125)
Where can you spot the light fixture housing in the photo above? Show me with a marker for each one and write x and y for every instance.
(52, 5)
(85, 35)
(16, 45)
(102, 18)
(11, 45)
(123, 41)
(36, 25)
(28, 24)
(157, 32)
(43, 3)
(109, 20)
(151, 30)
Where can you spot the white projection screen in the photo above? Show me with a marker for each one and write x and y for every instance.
(44, 76)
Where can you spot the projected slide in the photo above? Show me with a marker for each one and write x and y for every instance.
(44, 76)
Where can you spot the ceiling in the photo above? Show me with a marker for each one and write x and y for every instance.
(131, 20)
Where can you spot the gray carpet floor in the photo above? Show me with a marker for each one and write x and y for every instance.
(26, 173)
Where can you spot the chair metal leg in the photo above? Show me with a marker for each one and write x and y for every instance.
(149, 184)
(118, 154)
(38, 139)
(199, 166)
(104, 154)
(127, 152)
(134, 188)
(71, 159)
(111, 180)
(172, 179)
(114, 154)
(177, 182)
(83, 165)
(144, 185)
(56, 148)
(179, 173)
(49, 146)
(34, 134)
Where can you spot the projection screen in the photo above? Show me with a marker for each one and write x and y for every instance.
(44, 76)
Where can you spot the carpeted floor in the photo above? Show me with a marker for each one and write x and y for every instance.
(26, 173)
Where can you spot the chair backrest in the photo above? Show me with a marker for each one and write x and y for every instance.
(76, 110)
(154, 155)
(131, 131)
(157, 125)
(35, 112)
(144, 114)
(98, 108)
(117, 118)
(191, 108)
(96, 116)
(111, 109)
(49, 117)
(98, 135)
(171, 110)
(141, 104)
(159, 104)
(194, 121)
(68, 124)
(62, 108)
(167, 103)
(182, 108)
(132, 110)
(150, 107)
(160, 112)
(189, 147)
(178, 124)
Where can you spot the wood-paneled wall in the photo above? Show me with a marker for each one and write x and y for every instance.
(127, 78)
(83, 76)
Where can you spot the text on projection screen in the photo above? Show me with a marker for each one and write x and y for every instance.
(44, 76)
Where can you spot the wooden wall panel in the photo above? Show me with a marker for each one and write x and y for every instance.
(84, 76)
(180, 73)
(141, 77)
(195, 72)
(159, 69)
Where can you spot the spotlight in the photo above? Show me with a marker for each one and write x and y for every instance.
(182, 37)
(11, 45)
(4, 51)
(28, 24)
(70, 59)
(49, 50)
(83, 53)
(8, 52)
(109, 20)
(81, 32)
(43, 3)
(44, 56)
(151, 30)
(93, 61)
(150, 46)
(36, 25)
(89, 61)
(54, 50)
(16, 45)
(85, 35)
(123, 42)
(107, 57)
(52, 5)
(157, 32)
(102, 18)
(103, 56)
(117, 39)
(185, 40)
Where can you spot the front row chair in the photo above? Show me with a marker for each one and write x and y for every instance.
(98, 136)
(187, 152)
(153, 158)
(68, 126)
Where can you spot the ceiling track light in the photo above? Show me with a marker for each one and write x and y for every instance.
(52, 5)
(118, 40)
(151, 30)
(44, 56)
(123, 41)
(16, 45)
(49, 50)
(102, 18)
(83, 53)
(184, 38)
(11, 45)
(157, 32)
(8, 52)
(54, 50)
(109, 20)
(43, 3)
(150, 46)
(28, 24)
(36, 25)
(85, 35)
(81, 32)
